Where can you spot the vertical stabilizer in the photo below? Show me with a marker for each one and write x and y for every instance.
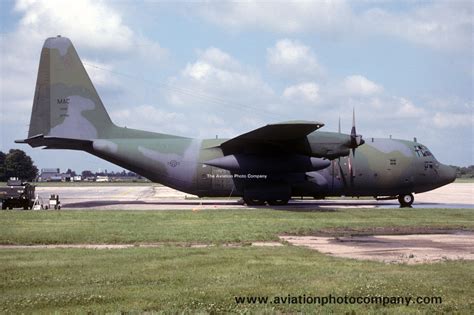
(66, 104)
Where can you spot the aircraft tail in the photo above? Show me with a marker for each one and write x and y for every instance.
(66, 104)
(67, 111)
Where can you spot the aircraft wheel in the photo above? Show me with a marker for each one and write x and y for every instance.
(406, 200)
(278, 202)
(254, 202)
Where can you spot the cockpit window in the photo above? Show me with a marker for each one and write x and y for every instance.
(422, 151)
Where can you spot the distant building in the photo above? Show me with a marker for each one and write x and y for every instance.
(49, 175)
(76, 178)
(54, 175)
(102, 179)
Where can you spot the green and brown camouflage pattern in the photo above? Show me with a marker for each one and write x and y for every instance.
(68, 114)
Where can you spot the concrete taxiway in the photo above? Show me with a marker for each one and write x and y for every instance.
(157, 197)
(409, 249)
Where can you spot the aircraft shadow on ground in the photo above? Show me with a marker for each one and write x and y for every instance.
(306, 206)
(295, 206)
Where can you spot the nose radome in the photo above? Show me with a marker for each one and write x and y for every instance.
(448, 174)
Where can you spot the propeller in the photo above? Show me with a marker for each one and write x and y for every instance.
(356, 140)
(338, 159)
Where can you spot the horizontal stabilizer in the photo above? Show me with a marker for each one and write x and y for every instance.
(57, 143)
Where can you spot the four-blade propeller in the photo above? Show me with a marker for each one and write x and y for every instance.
(356, 140)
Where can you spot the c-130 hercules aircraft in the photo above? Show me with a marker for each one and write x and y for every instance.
(270, 164)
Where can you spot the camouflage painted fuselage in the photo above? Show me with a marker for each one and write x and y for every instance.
(270, 163)
(381, 167)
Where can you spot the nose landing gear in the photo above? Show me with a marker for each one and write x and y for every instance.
(406, 200)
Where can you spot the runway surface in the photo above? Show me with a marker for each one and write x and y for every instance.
(157, 197)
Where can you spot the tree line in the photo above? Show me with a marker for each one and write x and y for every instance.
(464, 171)
(16, 163)
(87, 173)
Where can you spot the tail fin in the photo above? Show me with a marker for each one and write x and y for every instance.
(66, 104)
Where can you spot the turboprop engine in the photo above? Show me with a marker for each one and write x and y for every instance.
(244, 163)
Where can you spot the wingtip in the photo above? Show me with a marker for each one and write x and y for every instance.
(301, 122)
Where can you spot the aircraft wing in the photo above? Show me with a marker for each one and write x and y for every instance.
(278, 136)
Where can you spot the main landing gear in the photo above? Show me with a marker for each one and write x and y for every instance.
(406, 200)
(261, 202)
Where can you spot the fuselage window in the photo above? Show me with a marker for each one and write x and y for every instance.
(393, 161)
(418, 151)
(421, 151)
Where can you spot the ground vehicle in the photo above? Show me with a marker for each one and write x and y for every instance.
(54, 202)
(38, 204)
(17, 195)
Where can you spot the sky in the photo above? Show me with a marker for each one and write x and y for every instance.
(219, 68)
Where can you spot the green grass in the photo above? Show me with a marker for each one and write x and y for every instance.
(211, 226)
(207, 280)
(175, 279)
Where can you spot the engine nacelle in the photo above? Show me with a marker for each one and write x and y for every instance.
(329, 145)
(244, 163)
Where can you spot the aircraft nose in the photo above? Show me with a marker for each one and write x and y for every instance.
(447, 174)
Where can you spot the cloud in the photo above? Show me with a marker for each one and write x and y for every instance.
(445, 25)
(291, 58)
(358, 85)
(95, 29)
(452, 120)
(283, 17)
(100, 73)
(220, 59)
(407, 109)
(149, 117)
(217, 80)
(90, 23)
(307, 92)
